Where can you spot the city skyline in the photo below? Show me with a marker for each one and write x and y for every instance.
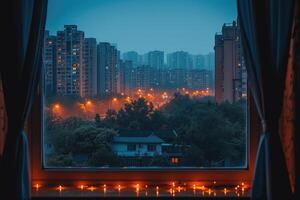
(145, 26)
(133, 50)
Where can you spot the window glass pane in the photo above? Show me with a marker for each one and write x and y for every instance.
(144, 84)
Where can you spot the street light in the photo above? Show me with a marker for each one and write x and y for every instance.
(88, 103)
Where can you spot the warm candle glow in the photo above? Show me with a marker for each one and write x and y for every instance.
(178, 188)
(92, 188)
(172, 189)
(37, 186)
(225, 191)
(60, 188)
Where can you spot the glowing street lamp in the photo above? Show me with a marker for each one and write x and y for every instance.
(56, 108)
(88, 103)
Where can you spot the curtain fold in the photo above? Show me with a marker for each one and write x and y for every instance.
(297, 99)
(23, 43)
(266, 34)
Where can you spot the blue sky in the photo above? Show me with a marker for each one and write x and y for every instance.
(145, 25)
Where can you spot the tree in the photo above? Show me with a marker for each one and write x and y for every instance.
(135, 115)
(74, 136)
(110, 119)
(98, 120)
(157, 120)
(59, 160)
(193, 156)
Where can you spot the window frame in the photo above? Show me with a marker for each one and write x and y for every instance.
(131, 149)
(73, 176)
(151, 148)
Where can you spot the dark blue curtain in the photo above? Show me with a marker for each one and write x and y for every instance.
(266, 34)
(23, 29)
(297, 92)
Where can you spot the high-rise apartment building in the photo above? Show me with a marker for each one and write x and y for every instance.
(141, 77)
(156, 63)
(199, 79)
(49, 63)
(230, 73)
(197, 61)
(179, 60)
(156, 59)
(107, 72)
(131, 56)
(125, 80)
(88, 82)
(69, 62)
(209, 61)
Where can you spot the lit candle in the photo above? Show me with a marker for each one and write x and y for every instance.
(178, 188)
(37, 186)
(173, 193)
(225, 191)
(92, 188)
(137, 188)
(60, 188)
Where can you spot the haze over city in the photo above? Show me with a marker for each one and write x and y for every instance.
(142, 25)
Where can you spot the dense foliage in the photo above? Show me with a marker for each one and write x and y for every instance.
(211, 134)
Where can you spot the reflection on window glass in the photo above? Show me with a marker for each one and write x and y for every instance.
(144, 84)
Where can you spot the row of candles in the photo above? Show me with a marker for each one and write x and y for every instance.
(172, 189)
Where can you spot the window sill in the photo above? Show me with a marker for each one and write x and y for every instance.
(143, 191)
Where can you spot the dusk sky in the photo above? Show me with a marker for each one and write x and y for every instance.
(146, 25)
